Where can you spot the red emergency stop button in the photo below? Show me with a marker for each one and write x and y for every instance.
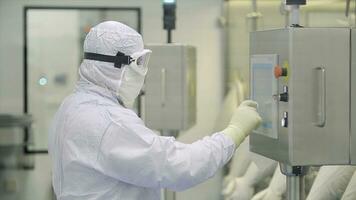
(279, 71)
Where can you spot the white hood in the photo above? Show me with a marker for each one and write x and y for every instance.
(108, 38)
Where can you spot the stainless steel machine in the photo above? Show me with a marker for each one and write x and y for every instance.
(170, 87)
(301, 80)
(304, 81)
(12, 129)
(353, 98)
(170, 91)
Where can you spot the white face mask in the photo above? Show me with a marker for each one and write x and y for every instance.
(133, 77)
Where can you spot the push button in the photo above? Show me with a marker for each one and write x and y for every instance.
(284, 97)
(280, 71)
(284, 120)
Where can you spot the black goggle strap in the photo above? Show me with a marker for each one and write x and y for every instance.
(118, 60)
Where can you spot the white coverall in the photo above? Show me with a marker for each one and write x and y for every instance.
(102, 150)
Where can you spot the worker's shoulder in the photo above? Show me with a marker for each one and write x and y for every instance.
(122, 115)
(83, 108)
(94, 109)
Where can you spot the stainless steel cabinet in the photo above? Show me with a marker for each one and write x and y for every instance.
(313, 95)
(170, 87)
(353, 97)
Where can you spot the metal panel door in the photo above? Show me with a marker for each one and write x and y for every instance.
(319, 96)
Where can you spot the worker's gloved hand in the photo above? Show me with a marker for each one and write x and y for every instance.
(331, 182)
(267, 194)
(275, 190)
(238, 189)
(350, 192)
(244, 120)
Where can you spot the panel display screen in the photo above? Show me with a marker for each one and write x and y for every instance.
(263, 88)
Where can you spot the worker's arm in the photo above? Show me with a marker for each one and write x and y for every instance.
(134, 154)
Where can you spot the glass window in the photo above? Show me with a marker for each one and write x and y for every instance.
(54, 41)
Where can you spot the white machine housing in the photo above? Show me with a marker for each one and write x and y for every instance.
(170, 87)
(307, 107)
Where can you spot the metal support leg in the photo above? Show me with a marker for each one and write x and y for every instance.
(295, 188)
(294, 15)
(295, 181)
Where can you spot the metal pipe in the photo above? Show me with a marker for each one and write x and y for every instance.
(169, 35)
(295, 180)
(294, 15)
(295, 188)
(254, 19)
(347, 7)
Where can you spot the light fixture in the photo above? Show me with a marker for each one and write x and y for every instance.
(169, 1)
(43, 81)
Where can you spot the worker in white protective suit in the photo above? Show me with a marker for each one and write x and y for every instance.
(100, 149)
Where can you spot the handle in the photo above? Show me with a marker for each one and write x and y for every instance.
(163, 87)
(321, 97)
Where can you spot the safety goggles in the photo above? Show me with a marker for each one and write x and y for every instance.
(140, 58)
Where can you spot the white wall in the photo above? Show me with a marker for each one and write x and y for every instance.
(317, 13)
(196, 25)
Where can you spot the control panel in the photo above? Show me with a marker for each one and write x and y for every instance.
(264, 89)
(300, 78)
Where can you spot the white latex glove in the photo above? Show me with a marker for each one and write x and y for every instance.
(244, 120)
(241, 160)
(350, 192)
(238, 189)
(276, 188)
(331, 182)
(242, 188)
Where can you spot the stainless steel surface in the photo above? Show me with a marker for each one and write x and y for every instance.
(295, 188)
(12, 142)
(163, 86)
(7, 121)
(294, 15)
(12, 130)
(170, 87)
(353, 98)
(293, 170)
(316, 97)
(295, 181)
